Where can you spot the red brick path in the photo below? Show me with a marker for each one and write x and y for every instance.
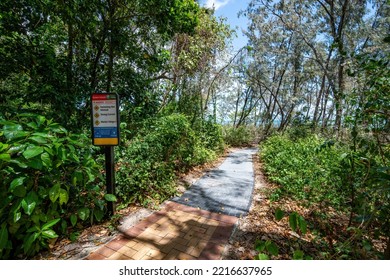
(177, 232)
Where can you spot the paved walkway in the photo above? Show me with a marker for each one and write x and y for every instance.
(226, 189)
(195, 226)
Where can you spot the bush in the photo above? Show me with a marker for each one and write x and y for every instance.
(306, 168)
(47, 184)
(211, 136)
(349, 178)
(239, 137)
(147, 164)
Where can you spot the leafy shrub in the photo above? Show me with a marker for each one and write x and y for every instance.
(306, 168)
(147, 164)
(238, 136)
(349, 178)
(211, 136)
(267, 248)
(47, 184)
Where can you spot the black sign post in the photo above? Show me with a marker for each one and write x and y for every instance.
(105, 132)
(110, 177)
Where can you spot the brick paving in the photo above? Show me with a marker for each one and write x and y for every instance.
(177, 232)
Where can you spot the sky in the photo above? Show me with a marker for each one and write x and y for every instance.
(229, 9)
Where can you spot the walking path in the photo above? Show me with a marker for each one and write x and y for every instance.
(196, 225)
(227, 189)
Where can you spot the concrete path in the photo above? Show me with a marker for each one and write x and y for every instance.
(195, 226)
(227, 189)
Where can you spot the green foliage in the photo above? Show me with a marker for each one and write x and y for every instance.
(351, 178)
(182, 16)
(306, 168)
(268, 248)
(366, 161)
(238, 136)
(296, 221)
(47, 175)
(54, 54)
(210, 135)
(148, 163)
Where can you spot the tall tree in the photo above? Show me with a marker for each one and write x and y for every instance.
(301, 49)
(58, 52)
(194, 65)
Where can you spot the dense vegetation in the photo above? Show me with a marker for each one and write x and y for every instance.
(53, 56)
(333, 183)
(316, 77)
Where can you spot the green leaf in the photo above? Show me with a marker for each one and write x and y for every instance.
(5, 157)
(40, 120)
(29, 241)
(3, 236)
(83, 213)
(272, 248)
(20, 163)
(54, 192)
(15, 134)
(298, 255)
(17, 216)
(302, 224)
(73, 219)
(62, 153)
(32, 151)
(35, 163)
(16, 148)
(16, 182)
(99, 214)
(262, 257)
(38, 139)
(50, 224)
(35, 218)
(43, 135)
(33, 125)
(49, 150)
(260, 246)
(74, 157)
(110, 197)
(279, 214)
(17, 187)
(3, 146)
(293, 221)
(77, 177)
(33, 229)
(56, 127)
(46, 160)
(73, 236)
(49, 233)
(28, 204)
(64, 196)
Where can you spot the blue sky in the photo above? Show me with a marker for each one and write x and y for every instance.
(229, 9)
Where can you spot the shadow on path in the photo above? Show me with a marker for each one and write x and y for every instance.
(226, 189)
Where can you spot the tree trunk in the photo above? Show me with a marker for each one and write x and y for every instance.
(69, 66)
(317, 114)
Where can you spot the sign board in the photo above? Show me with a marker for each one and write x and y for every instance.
(105, 119)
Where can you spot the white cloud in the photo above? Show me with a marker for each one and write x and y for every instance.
(216, 3)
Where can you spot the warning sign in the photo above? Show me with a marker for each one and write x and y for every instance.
(105, 119)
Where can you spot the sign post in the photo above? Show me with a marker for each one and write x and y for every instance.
(105, 132)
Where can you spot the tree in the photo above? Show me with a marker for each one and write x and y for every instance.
(301, 49)
(191, 82)
(54, 54)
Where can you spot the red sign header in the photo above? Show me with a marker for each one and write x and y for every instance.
(99, 96)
